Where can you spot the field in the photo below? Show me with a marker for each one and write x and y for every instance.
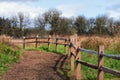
(112, 46)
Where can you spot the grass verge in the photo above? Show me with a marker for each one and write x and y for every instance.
(44, 47)
(8, 55)
(87, 73)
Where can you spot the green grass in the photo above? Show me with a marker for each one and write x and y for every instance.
(91, 74)
(7, 56)
(52, 49)
(87, 73)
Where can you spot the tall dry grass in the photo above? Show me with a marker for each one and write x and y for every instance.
(92, 42)
(8, 41)
(5, 38)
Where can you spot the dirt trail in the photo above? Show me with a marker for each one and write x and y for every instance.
(36, 65)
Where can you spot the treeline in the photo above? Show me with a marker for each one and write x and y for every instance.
(51, 22)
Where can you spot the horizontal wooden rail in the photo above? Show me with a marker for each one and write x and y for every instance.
(48, 40)
(108, 70)
(45, 41)
(100, 53)
(61, 44)
(29, 37)
(95, 52)
(88, 51)
(112, 56)
(74, 52)
(73, 45)
(87, 64)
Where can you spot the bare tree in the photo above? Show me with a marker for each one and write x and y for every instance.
(24, 21)
(110, 26)
(52, 17)
(40, 25)
(80, 24)
(101, 24)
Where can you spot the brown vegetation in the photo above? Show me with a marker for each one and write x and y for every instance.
(92, 42)
(5, 38)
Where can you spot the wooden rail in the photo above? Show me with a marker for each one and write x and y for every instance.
(75, 55)
(36, 40)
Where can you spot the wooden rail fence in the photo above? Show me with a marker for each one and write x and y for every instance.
(75, 54)
(37, 39)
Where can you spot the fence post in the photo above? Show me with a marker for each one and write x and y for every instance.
(100, 62)
(65, 46)
(75, 38)
(69, 50)
(78, 66)
(49, 41)
(23, 42)
(56, 47)
(36, 41)
(72, 60)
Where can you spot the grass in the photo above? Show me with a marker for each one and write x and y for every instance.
(7, 56)
(44, 47)
(91, 74)
(87, 73)
(112, 46)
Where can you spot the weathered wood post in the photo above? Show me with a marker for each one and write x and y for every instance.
(72, 40)
(69, 50)
(71, 58)
(100, 62)
(65, 45)
(23, 42)
(36, 42)
(56, 47)
(78, 66)
(75, 38)
(49, 41)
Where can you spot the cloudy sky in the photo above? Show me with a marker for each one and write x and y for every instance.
(69, 8)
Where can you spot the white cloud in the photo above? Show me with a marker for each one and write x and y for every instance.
(114, 11)
(70, 10)
(8, 9)
(114, 14)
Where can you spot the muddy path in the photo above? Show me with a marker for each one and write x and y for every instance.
(37, 65)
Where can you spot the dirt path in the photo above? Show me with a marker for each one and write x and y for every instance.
(36, 65)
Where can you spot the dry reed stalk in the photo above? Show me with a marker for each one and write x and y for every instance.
(93, 42)
(5, 38)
